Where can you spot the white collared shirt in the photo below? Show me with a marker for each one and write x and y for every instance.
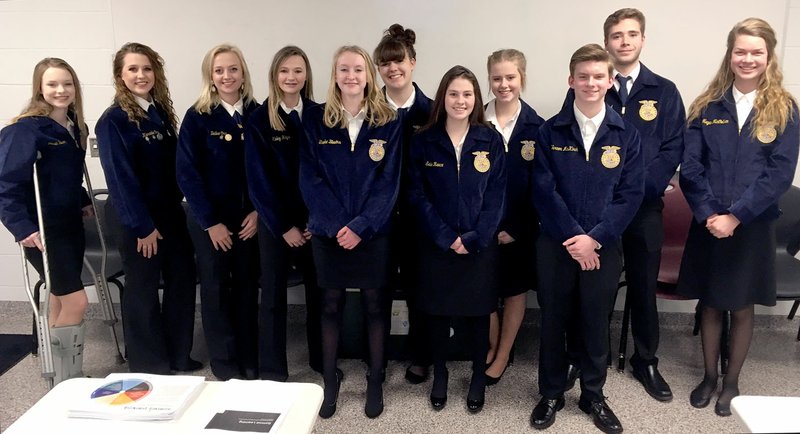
(744, 104)
(588, 126)
(458, 146)
(632, 77)
(298, 108)
(354, 123)
(143, 103)
(238, 107)
(491, 116)
(71, 128)
(409, 102)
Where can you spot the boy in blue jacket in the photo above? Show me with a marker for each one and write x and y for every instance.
(587, 185)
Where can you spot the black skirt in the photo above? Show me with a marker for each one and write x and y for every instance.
(65, 246)
(366, 266)
(449, 284)
(730, 273)
(516, 268)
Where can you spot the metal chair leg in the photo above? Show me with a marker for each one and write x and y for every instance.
(623, 337)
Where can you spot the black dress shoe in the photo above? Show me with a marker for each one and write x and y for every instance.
(475, 405)
(701, 395)
(414, 378)
(573, 373)
(374, 406)
(438, 403)
(328, 407)
(190, 365)
(604, 419)
(653, 383)
(723, 408)
(544, 413)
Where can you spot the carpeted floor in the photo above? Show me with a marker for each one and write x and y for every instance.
(772, 368)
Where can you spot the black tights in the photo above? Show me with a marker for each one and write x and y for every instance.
(740, 336)
(332, 314)
(477, 328)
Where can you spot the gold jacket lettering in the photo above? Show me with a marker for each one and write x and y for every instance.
(433, 164)
(715, 121)
(330, 142)
(569, 148)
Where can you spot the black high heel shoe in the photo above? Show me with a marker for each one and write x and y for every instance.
(439, 390)
(477, 393)
(374, 406)
(491, 381)
(328, 407)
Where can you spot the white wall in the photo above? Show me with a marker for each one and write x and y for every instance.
(685, 42)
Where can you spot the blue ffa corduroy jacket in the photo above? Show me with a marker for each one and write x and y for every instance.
(272, 159)
(656, 109)
(596, 194)
(412, 118)
(139, 164)
(60, 170)
(210, 166)
(341, 184)
(725, 171)
(520, 219)
(451, 200)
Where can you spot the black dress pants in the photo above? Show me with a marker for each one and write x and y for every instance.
(229, 301)
(641, 244)
(276, 259)
(569, 295)
(158, 334)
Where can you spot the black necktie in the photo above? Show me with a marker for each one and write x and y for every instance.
(152, 113)
(237, 118)
(623, 88)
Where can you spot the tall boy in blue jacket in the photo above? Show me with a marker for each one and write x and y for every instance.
(654, 106)
(587, 185)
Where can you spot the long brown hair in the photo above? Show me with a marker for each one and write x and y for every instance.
(438, 113)
(378, 110)
(37, 106)
(275, 92)
(160, 92)
(774, 104)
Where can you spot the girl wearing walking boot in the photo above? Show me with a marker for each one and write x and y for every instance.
(740, 157)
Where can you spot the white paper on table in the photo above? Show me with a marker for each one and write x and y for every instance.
(252, 395)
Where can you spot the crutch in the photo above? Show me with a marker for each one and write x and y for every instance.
(41, 307)
(100, 280)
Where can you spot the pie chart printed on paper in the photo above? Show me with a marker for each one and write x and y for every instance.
(122, 392)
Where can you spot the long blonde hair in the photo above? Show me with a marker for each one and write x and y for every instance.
(774, 104)
(209, 98)
(275, 92)
(160, 92)
(378, 110)
(39, 107)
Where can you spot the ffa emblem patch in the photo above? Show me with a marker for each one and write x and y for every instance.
(648, 110)
(610, 158)
(481, 163)
(528, 150)
(766, 134)
(376, 151)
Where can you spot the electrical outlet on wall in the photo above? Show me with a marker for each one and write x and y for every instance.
(94, 152)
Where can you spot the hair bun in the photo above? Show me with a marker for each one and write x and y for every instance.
(407, 35)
